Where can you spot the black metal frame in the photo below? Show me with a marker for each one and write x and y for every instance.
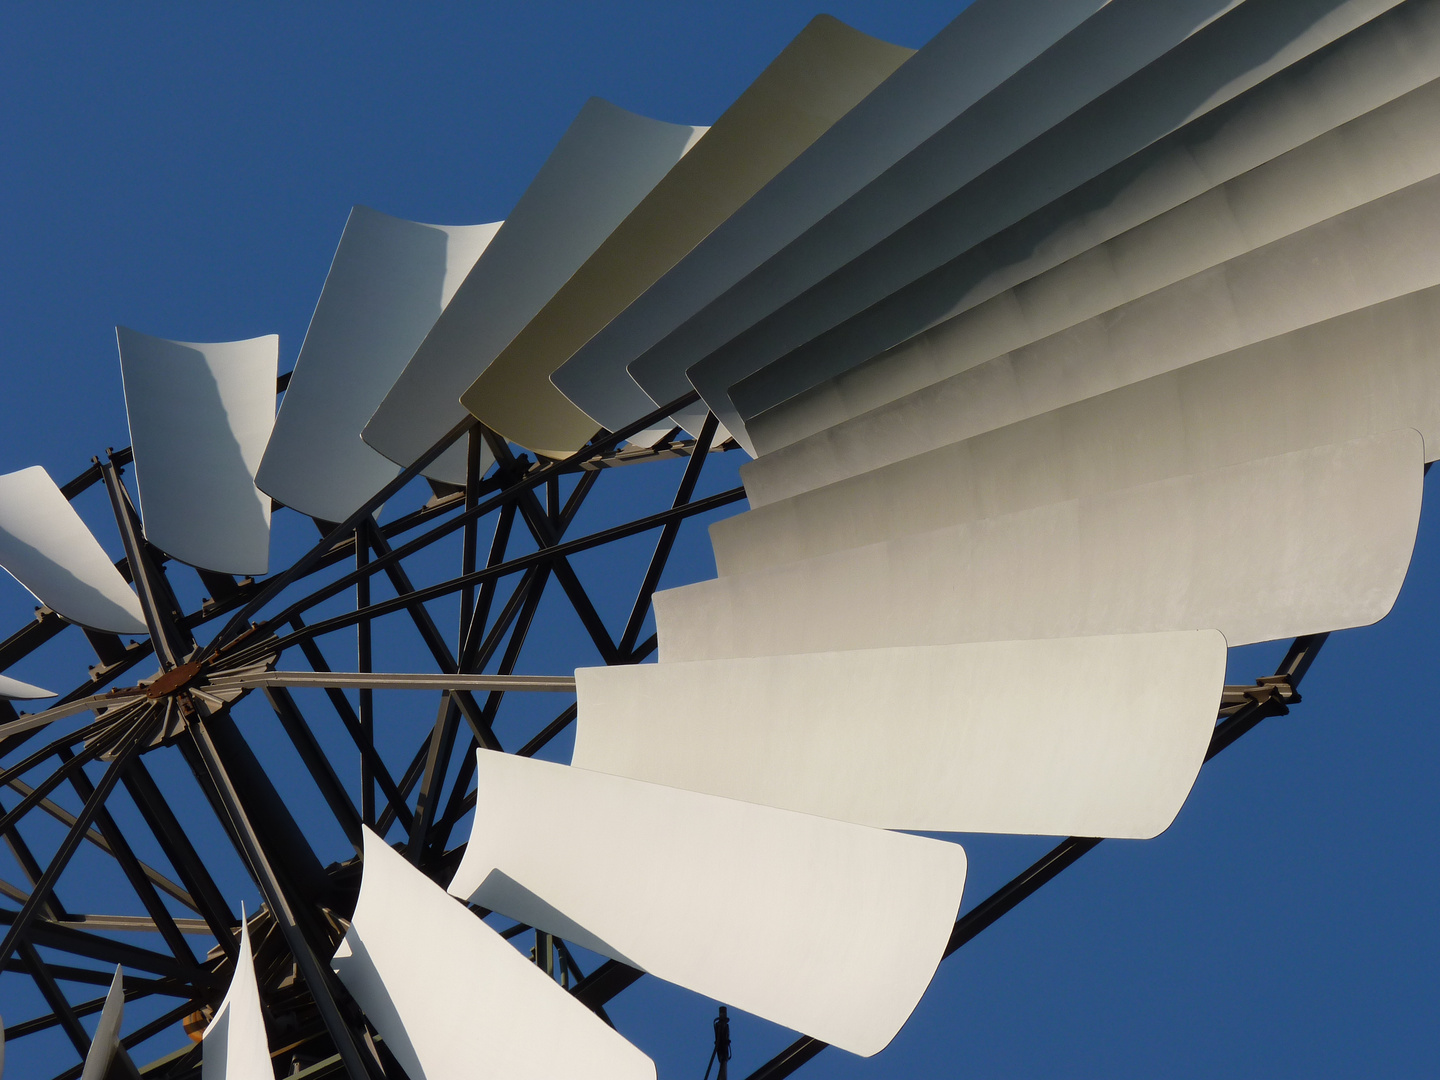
(306, 904)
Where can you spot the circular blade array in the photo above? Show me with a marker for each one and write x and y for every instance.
(1087, 339)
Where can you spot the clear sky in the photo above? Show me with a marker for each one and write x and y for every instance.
(187, 170)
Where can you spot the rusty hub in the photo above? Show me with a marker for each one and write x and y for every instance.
(174, 680)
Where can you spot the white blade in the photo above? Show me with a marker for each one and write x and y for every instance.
(1105, 740)
(1216, 64)
(722, 897)
(1384, 249)
(389, 282)
(452, 998)
(48, 549)
(815, 80)
(1353, 124)
(1306, 542)
(1213, 413)
(15, 690)
(985, 45)
(106, 1042)
(200, 415)
(235, 1047)
(605, 163)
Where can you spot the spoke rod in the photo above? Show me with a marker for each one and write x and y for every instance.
(381, 680)
(85, 1008)
(531, 588)
(164, 635)
(364, 661)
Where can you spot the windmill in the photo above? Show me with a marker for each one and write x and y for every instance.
(967, 470)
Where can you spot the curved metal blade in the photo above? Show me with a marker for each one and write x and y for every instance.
(1301, 543)
(719, 896)
(1208, 415)
(816, 79)
(983, 47)
(603, 165)
(200, 415)
(959, 189)
(105, 1044)
(48, 549)
(388, 283)
(234, 1042)
(1095, 736)
(1354, 123)
(453, 998)
(1385, 249)
(15, 690)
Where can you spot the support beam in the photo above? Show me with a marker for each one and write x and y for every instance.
(121, 851)
(275, 586)
(206, 897)
(126, 747)
(359, 734)
(543, 525)
(429, 633)
(60, 814)
(322, 988)
(668, 533)
(60, 1008)
(523, 562)
(315, 760)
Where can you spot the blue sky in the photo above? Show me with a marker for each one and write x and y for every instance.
(187, 171)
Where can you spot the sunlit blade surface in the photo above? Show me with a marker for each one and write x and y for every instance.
(1301, 543)
(15, 690)
(105, 1043)
(1359, 374)
(200, 416)
(48, 549)
(815, 80)
(986, 44)
(1217, 63)
(1349, 124)
(929, 738)
(388, 284)
(452, 998)
(719, 896)
(602, 167)
(1376, 252)
(235, 1047)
